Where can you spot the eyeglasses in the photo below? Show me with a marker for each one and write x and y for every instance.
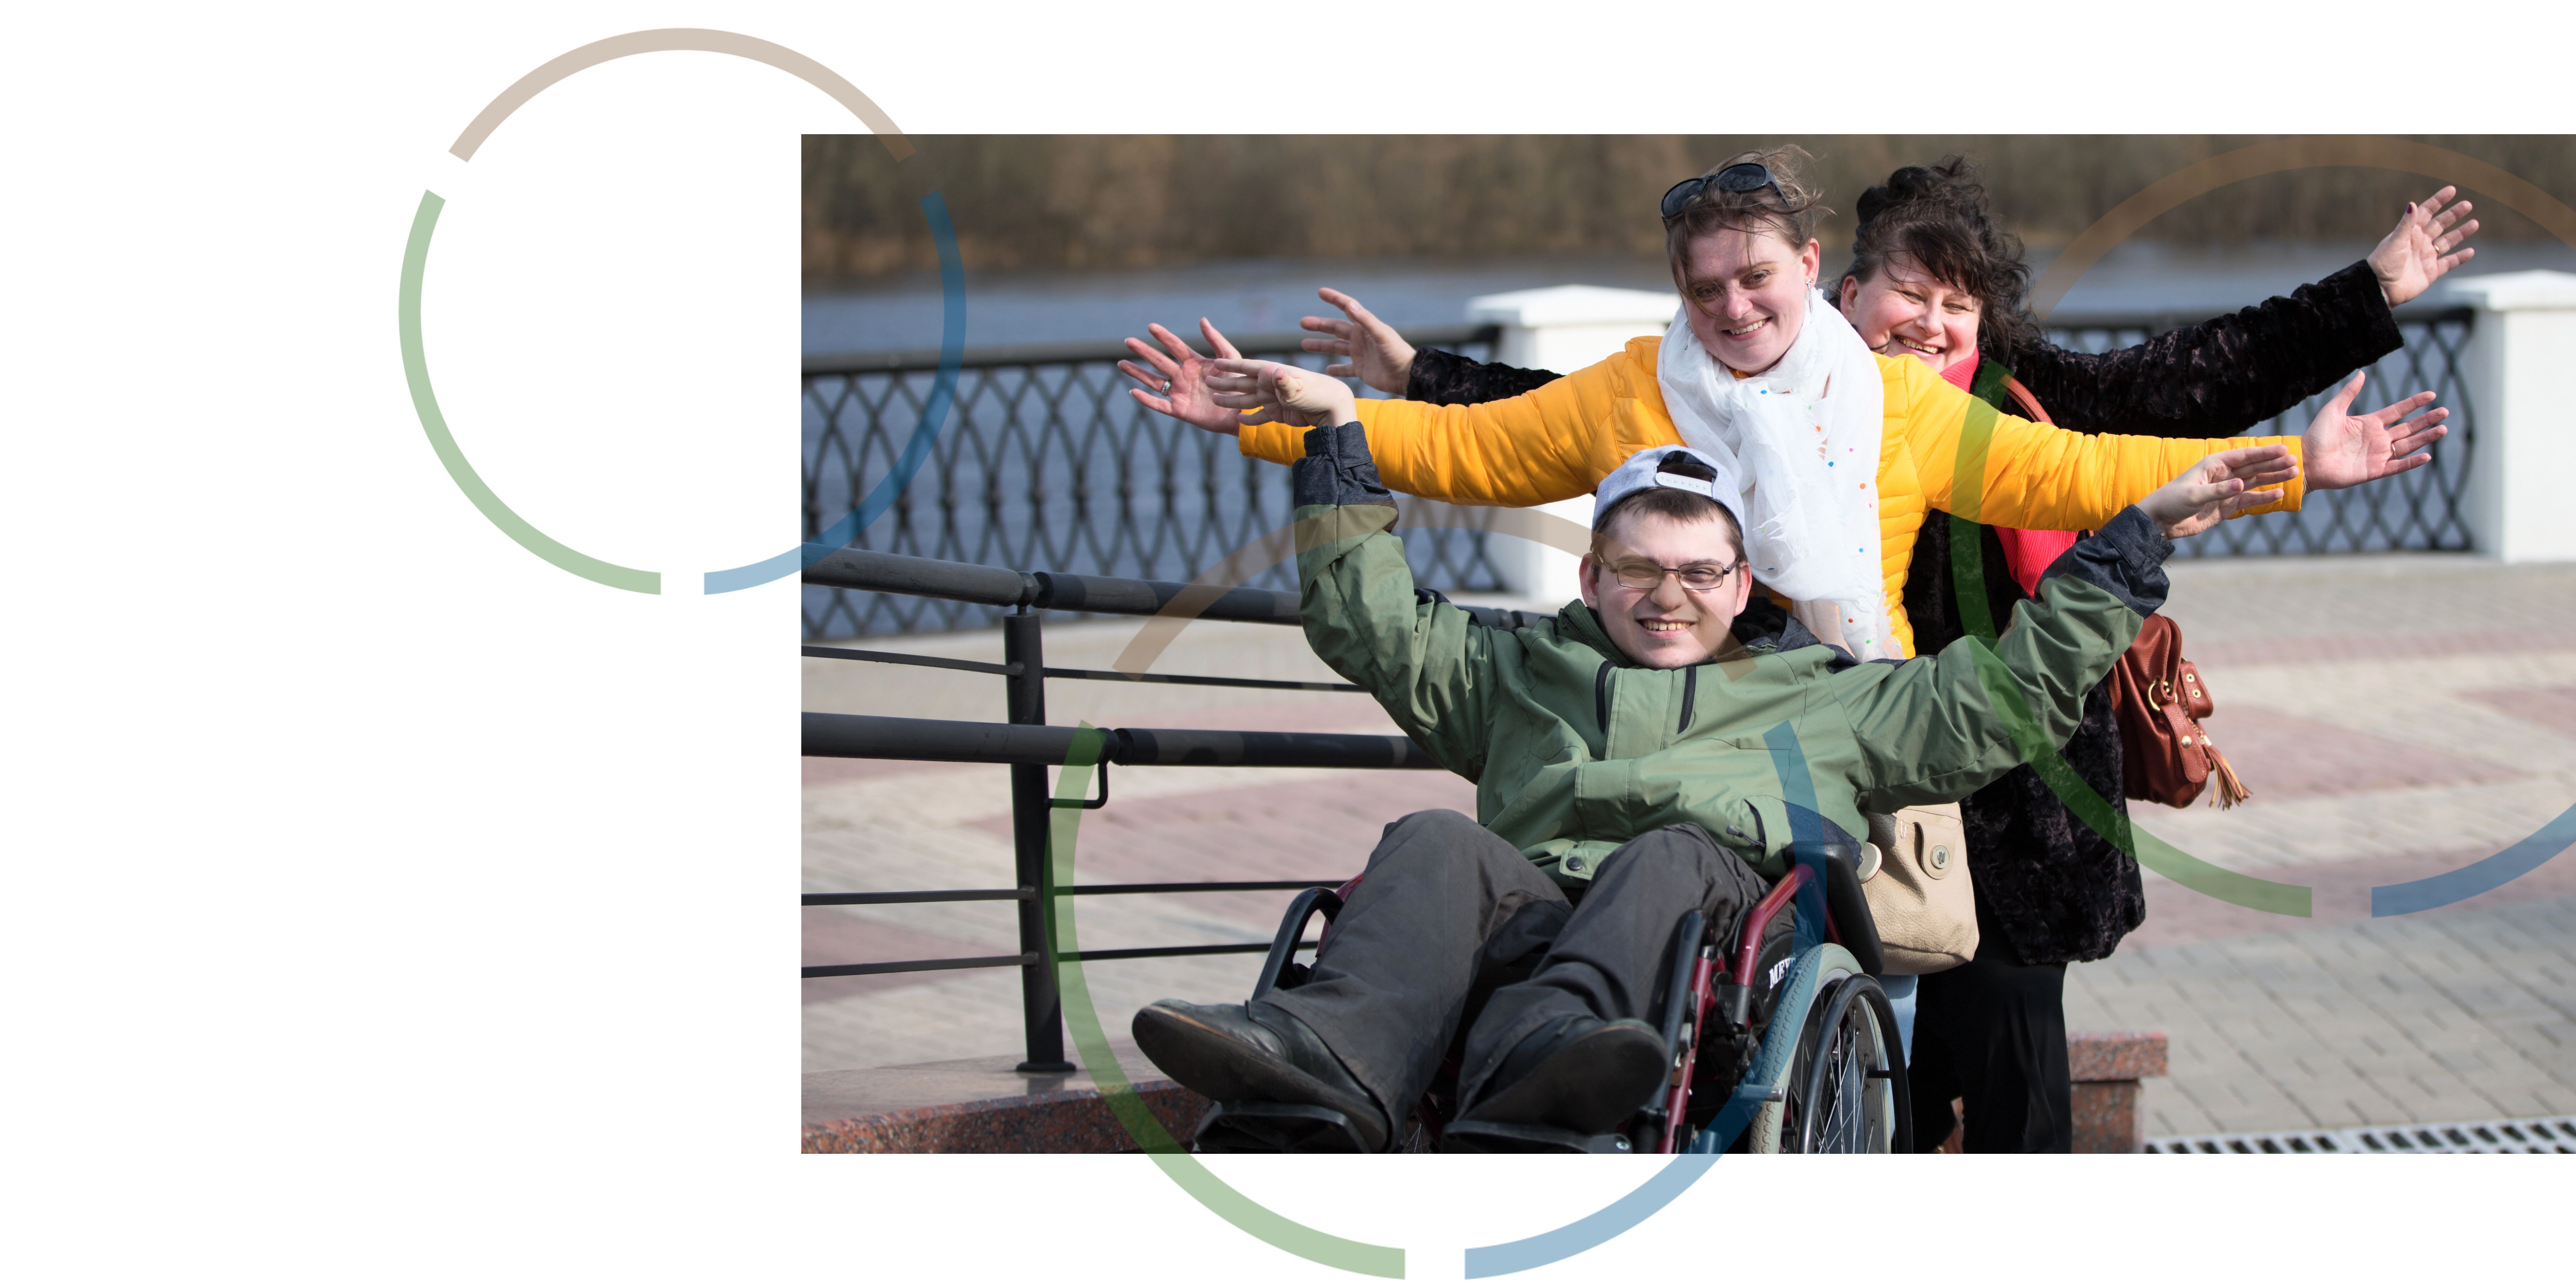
(1640, 575)
(1743, 176)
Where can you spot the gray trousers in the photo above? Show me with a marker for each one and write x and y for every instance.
(1449, 915)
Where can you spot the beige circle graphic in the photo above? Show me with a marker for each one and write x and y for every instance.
(694, 39)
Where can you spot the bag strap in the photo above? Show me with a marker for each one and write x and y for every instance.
(2229, 791)
(2029, 401)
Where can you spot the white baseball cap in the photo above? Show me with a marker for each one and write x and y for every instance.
(1679, 468)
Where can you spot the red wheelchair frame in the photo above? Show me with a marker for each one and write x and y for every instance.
(1719, 1000)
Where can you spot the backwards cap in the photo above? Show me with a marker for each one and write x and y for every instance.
(1684, 469)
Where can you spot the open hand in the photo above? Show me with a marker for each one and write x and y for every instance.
(2419, 250)
(1276, 391)
(1177, 384)
(2216, 488)
(1377, 354)
(2341, 450)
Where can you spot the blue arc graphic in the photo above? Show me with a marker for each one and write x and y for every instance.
(1668, 1182)
(1592, 1231)
(2511, 862)
(934, 414)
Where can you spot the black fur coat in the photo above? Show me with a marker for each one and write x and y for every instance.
(2062, 893)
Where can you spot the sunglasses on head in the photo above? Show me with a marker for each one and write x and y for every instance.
(1743, 176)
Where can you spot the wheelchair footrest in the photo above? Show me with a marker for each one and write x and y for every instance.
(1470, 1136)
(1269, 1127)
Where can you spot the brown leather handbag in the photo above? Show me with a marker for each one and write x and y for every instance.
(2159, 699)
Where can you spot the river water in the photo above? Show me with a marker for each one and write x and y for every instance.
(2141, 279)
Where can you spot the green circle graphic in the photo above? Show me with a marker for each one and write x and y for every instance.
(1080, 1016)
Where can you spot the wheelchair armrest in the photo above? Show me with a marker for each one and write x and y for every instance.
(1838, 853)
(1850, 912)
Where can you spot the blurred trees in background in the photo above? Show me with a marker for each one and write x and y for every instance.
(1139, 201)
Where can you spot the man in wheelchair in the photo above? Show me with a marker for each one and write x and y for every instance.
(1632, 759)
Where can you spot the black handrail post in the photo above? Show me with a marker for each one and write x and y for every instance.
(1024, 690)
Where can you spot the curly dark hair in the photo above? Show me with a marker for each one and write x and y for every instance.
(1937, 216)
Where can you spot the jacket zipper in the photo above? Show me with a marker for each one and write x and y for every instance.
(1601, 704)
(1690, 694)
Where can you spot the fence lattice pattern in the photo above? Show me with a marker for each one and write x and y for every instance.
(2419, 510)
(1046, 463)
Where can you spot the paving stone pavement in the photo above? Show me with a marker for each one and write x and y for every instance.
(2396, 716)
(2440, 1016)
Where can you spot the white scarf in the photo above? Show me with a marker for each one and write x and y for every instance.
(1804, 438)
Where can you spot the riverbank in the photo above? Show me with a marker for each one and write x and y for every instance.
(2142, 279)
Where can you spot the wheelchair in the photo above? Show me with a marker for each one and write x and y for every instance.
(1783, 1040)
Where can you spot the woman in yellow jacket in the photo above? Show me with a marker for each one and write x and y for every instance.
(1840, 483)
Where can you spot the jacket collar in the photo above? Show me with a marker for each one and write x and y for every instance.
(1766, 627)
(1763, 627)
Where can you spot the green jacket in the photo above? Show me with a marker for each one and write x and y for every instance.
(1575, 750)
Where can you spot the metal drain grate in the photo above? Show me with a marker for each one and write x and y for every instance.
(2500, 1136)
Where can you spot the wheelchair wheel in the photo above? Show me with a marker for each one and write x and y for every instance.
(1845, 1093)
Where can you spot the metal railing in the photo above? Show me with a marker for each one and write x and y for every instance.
(1028, 744)
(1047, 462)
(2419, 510)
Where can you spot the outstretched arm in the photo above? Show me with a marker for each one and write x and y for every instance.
(1369, 348)
(1989, 467)
(1428, 664)
(2345, 450)
(1938, 727)
(1547, 446)
(2219, 377)
(1440, 376)
(1384, 361)
(2422, 247)
(1556, 443)
(1174, 378)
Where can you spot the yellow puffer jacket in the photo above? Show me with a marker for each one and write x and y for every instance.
(1561, 440)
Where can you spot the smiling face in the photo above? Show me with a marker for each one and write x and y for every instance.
(1668, 626)
(1747, 294)
(1905, 312)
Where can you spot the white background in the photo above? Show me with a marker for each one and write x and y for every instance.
(383, 904)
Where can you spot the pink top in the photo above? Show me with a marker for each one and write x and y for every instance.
(2027, 553)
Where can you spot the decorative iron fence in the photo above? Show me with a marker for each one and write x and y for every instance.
(2418, 510)
(1046, 462)
(1029, 744)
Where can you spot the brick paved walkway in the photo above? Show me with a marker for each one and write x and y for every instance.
(2395, 716)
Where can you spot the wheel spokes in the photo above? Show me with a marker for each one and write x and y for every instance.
(1843, 1124)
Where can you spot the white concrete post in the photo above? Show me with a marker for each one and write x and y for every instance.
(2521, 373)
(1562, 328)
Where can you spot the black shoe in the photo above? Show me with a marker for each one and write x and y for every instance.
(1256, 1053)
(1579, 1075)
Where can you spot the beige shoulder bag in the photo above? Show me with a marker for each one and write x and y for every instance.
(1918, 889)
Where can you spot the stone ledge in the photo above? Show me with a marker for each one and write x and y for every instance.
(985, 1107)
(982, 1106)
(2110, 1106)
(2115, 1056)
